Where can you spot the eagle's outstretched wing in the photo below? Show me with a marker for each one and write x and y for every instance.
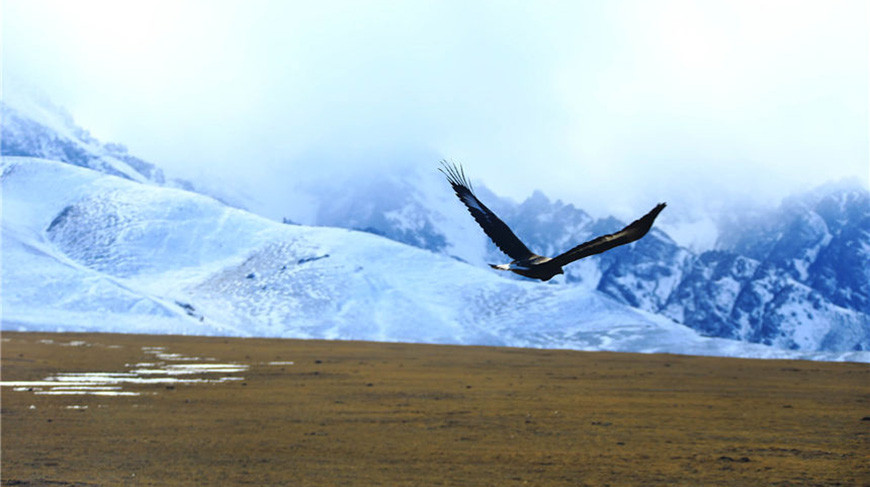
(632, 232)
(494, 228)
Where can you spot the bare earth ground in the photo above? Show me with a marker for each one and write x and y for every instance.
(350, 413)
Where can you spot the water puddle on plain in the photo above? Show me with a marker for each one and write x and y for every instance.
(167, 369)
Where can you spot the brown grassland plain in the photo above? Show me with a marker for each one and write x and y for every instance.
(353, 413)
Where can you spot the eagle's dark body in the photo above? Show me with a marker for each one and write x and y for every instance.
(525, 262)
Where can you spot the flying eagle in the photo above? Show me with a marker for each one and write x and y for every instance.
(525, 262)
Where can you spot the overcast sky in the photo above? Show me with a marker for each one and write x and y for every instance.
(611, 105)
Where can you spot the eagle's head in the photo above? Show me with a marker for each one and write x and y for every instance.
(547, 278)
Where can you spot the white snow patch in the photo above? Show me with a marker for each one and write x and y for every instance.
(112, 383)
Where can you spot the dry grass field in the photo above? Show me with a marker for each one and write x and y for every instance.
(321, 413)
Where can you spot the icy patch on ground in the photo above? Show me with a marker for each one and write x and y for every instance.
(114, 383)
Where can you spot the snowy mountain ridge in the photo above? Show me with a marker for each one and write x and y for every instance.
(797, 277)
(35, 128)
(85, 251)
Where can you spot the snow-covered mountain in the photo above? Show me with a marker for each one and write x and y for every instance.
(87, 251)
(33, 127)
(797, 277)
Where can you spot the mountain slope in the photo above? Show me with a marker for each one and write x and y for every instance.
(808, 288)
(33, 127)
(801, 281)
(86, 251)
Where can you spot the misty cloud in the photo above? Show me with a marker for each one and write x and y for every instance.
(611, 106)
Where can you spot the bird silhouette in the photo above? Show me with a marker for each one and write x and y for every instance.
(525, 262)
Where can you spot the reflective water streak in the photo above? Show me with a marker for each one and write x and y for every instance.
(142, 373)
